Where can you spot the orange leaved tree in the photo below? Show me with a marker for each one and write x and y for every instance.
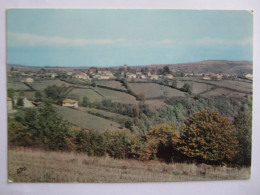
(161, 142)
(208, 137)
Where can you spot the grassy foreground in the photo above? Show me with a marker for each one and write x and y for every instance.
(31, 165)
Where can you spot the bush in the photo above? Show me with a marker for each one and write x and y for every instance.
(208, 137)
(187, 88)
(162, 141)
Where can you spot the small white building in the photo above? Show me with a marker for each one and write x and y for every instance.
(70, 103)
(29, 80)
(27, 103)
(154, 77)
(169, 76)
(249, 76)
(131, 76)
(206, 78)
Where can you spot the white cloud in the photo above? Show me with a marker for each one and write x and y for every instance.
(24, 39)
(207, 41)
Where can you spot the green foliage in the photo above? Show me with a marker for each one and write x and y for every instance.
(117, 143)
(10, 92)
(174, 83)
(209, 137)
(162, 141)
(86, 102)
(38, 96)
(57, 93)
(45, 127)
(18, 134)
(187, 88)
(20, 102)
(90, 142)
(243, 125)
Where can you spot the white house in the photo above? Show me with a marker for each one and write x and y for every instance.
(249, 76)
(28, 80)
(154, 77)
(27, 103)
(70, 103)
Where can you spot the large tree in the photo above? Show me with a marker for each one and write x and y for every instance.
(208, 137)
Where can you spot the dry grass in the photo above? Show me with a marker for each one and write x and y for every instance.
(28, 165)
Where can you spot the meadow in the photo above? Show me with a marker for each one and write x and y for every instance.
(86, 120)
(117, 96)
(90, 93)
(33, 165)
(41, 84)
(112, 84)
(153, 90)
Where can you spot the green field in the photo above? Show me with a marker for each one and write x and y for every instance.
(117, 96)
(16, 84)
(153, 90)
(105, 114)
(86, 120)
(43, 83)
(113, 84)
(236, 85)
(90, 93)
(225, 92)
(46, 166)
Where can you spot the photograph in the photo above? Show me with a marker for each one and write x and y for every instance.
(128, 95)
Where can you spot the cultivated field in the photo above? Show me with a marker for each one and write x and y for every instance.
(105, 114)
(113, 84)
(86, 120)
(43, 83)
(16, 85)
(236, 85)
(90, 93)
(225, 92)
(28, 165)
(117, 96)
(153, 90)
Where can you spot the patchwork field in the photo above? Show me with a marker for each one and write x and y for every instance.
(117, 96)
(224, 92)
(153, 90)
(113, 84)
(42, 84)
(86, 120)
(236, 85)
(108, 115)
(90, 93)
(28, 165)
(17, 85)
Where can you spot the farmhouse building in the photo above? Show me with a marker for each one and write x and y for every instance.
(28, 80)
(27, 103)
(70, 103)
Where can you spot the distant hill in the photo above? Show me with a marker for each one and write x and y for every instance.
(214, 66)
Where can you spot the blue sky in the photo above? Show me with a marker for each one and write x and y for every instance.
(79, 37)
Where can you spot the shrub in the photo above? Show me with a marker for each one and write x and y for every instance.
(208, 137)
(162, 141)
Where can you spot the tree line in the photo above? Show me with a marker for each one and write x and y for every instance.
(205, 137)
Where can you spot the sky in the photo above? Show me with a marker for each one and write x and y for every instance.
(89, 37)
